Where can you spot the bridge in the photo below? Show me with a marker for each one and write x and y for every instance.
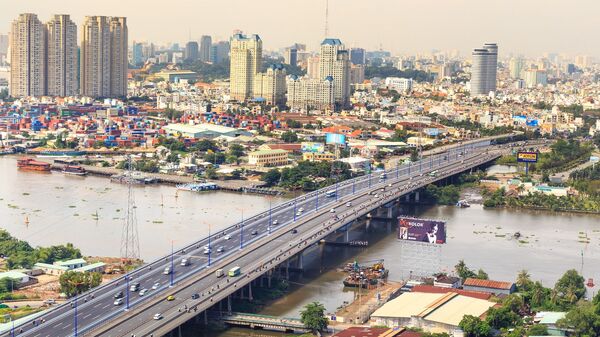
(258, 245)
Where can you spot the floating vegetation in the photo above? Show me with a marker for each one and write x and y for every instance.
(76, 214)
(72, 206)
(59, 187)
(523, 242)
(498, 227)
(118, 209)
(13, 206)
(157, 221)
(500, 235)
(25, 193)
(37, 210)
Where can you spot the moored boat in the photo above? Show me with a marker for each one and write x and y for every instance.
(74, 170)
(33, 165)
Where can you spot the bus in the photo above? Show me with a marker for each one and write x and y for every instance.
(233, 272)
(330, 194)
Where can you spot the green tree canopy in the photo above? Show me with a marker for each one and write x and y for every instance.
(313, 316)
(475, 327)
(74, 283)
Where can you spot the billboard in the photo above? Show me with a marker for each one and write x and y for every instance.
(527, 157)
(422, 230)
(313, 147)
(335, 138)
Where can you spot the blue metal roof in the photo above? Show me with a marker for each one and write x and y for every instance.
(333, 42)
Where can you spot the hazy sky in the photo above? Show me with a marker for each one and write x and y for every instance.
(529, 27)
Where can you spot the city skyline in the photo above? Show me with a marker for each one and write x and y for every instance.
(528, 28)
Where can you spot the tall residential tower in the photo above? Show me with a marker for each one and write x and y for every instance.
(28, 56)
(104, 56)
(484, 69)
(246, 60)
(62, 67)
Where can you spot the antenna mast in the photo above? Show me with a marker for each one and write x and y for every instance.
(326, 18)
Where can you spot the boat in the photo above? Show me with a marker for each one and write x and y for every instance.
(74, 170)
(33, 165)
(198, 187)
(4, 151)
(365, 276)
(463, 204)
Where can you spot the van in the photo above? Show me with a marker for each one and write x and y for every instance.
(134, 287)
(219, 273)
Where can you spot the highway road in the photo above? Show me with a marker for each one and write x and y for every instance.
(244, 244)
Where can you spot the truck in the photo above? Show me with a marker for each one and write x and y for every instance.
(233, 272)
(219, 273)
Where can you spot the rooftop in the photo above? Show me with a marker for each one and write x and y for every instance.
(487, 284)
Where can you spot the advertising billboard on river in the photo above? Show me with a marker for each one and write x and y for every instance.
(422, 230)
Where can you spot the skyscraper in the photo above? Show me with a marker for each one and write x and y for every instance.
(271, 85)
(205, 44)
(61, 41)
(245, 63)
(28, 53)
(104, 56)
(219, 52)
(335, 63)
(191, 51)
(516, 67)
(291, 56)
(358, 56)
(137, 53)
(484, 69)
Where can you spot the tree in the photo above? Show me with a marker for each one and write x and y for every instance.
(482, 275)
(583, 320)
(524, 282)
(289, 137)
(569, 288)
(7, 285)
(537, 330)
(210, 173)
(205, 145)
(74, 283)
(502, 317)
(236, 150)
(463, 271)
(414, 155)
(313, 316)
(475, 327)
(271, 177)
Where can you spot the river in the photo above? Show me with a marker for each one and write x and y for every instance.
(62, 209)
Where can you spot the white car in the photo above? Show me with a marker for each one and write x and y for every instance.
(118, 301)
(275, 222)
(143, 292)
(332, 210)
(155, 286)
(301, 209)
(348, 204)
(227, 237)
(298, 213)
(157, 316)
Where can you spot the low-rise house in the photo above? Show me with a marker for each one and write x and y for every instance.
(268, 158)
(20, 279)
(494, 287)
(549, 319)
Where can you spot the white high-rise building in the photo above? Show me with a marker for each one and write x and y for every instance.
(335, 63)
(104, 56)
(27, 56)
(310, 93)
(516, 66)
(484, 69)
(271, 85)
(61, 40)
(312, 67)
(246, 60)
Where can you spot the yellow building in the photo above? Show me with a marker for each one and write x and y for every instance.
(268, 158)
(315, 156)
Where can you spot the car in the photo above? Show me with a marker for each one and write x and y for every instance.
(301, 209)
(157, 316)
(118, 301)
(254, 232)
(348, 204)
(376, 195)
(155, 286)
(220, 249)
(119, 295)
(170, 298)
(50, 301)
(332, 210)
(275, 222)
(195, 296)
(207, 251)
(143, 292)
(389, 185)
(227, 237)
(294, 231)
(298, 213)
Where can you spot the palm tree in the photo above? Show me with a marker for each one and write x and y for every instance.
(523, 280)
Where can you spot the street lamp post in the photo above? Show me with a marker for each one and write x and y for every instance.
(172, 271)
(336, 188)
(294, 204)
(242, 231)
(209, 247)
(369, 179)
(317, 201)
(354, 185)
(127, 291)
(75, 318)
(409, 168)
(270, 218)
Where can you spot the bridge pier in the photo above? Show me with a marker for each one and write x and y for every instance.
(269, 276)
(229, 304)
(417, 196)
(250, 291)
(287, 269)
(407, 197)
(390, 212)
(179, 331)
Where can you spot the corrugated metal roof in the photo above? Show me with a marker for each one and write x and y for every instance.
(487, 284)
